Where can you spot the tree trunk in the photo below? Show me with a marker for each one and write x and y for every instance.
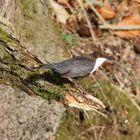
(27, 23)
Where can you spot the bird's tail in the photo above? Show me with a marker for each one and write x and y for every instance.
(45, 66)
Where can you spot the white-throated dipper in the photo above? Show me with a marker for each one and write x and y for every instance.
(78, 66)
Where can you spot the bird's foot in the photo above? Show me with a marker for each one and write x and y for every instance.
(77, 86)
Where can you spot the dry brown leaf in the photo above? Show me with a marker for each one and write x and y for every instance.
(107, 3)
(73, 3)
(66, 4)
(106, 11)
(60, 12)
(83, 30)
(138, 1)
(130, 20)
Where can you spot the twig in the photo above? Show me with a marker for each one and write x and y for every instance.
(100, 87)
(120, 27)
(120, 89)
(86, 114)
(102, 114)
(87, 19)
(98, 15)
(102, 129)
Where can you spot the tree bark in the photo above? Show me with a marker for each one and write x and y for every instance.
(26, 26)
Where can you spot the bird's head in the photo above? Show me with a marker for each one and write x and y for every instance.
(100, 59)
(101, 56)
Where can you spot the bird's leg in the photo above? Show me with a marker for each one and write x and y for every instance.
(77, 85)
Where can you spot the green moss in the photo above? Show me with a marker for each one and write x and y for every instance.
(4, 36)
(11, 62)
(70, 38)
(49, 94)
(8, 58)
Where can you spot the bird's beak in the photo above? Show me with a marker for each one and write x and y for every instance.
(110, 58)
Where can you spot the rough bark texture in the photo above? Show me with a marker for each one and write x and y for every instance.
(23, 116)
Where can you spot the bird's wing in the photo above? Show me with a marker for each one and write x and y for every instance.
(78, 71)
(66, 65)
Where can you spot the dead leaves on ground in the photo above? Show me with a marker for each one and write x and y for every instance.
(130, 20)
(106, 11)
(60, 12)
(136, 42)
(69, 13)
(63, 2)
(137, 1)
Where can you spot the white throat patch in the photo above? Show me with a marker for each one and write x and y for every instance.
(98, 63)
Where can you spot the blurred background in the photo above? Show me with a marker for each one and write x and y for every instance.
(56, 30)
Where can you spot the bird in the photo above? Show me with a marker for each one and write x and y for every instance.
(78, 66)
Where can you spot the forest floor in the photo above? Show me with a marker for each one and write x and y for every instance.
(116, 85)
